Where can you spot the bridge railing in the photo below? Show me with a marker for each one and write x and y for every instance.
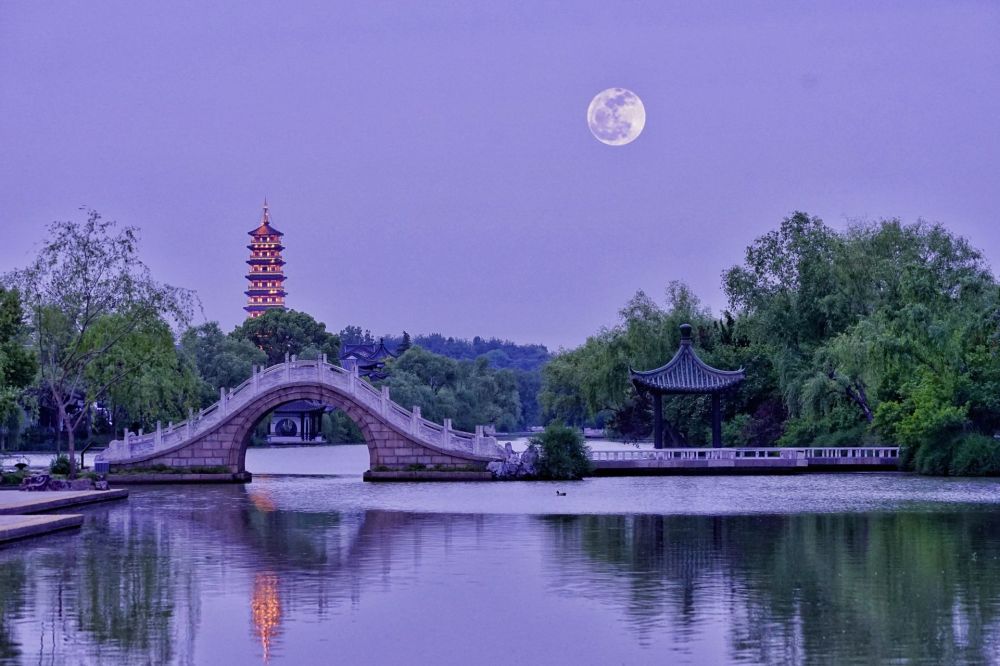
(880, 452)
(292, 371)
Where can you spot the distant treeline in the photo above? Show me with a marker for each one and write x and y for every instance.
(524, 362)
(501, 354)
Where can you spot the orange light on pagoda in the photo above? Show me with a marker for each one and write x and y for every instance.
(265, 259)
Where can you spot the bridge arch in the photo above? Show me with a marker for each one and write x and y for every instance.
(267, 403)
(396, 437)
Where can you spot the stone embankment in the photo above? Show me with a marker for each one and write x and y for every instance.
(14, 507)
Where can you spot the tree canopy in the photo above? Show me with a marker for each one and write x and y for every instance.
(470, 393)
(280, 332)
(884, 332)
(86, 295)
(223, 361)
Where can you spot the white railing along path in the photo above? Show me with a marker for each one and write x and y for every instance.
(856, 452)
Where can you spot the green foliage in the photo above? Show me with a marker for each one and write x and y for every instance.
(469, 393)
(501, 354)
(338, 428)
(975, 455)
(884, 332)
(60, 465)
(13, 478)
(222, 361)
(564, 454)
(404, 344)
(163, 383)
(88, 276)
(583, 385)
(280, 332)
(18, 363)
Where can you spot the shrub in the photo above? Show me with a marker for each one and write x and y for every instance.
(564, 455)
(12, 478)
(59, 465)
(975, 455)
(933, 459)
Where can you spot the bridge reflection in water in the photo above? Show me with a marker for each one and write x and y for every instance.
(173, 576)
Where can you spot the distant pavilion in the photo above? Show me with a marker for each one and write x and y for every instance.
(368, 358)
(685, 374)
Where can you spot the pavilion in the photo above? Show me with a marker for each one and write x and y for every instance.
(368, 358)
(685, 374)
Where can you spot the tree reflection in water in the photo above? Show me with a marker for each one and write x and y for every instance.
(184, 575)
(841, 588)
(13, 581)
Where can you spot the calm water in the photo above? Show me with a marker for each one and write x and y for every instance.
(822, 569)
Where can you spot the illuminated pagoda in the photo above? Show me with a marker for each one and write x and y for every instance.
(266, 274)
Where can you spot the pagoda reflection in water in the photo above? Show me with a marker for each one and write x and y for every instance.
(265, 610)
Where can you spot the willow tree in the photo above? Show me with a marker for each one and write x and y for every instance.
(86, 295)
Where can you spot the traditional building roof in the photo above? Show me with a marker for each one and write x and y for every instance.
(367, 351)
(686, 373)
(368, 358)
(265, 228)
(300, 406)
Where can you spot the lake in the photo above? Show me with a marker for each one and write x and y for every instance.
(308, 564)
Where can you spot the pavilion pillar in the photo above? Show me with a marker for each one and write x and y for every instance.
(657, 421)
(716, 421)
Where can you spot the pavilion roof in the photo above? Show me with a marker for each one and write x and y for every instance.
(367, 351)
(686, 373)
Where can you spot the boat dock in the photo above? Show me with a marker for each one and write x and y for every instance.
(648, 462)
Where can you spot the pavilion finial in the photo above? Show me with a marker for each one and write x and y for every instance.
(686, 333)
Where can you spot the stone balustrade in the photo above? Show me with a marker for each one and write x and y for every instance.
(373, 401)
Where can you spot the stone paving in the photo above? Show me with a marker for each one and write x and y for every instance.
(20, 527)
(17, 502)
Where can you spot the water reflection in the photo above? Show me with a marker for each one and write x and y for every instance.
(266, 611)
(855, 588)
(232, 575)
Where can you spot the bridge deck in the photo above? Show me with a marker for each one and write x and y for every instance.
(745, 461)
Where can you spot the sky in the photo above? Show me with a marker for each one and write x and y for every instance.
(430, 163)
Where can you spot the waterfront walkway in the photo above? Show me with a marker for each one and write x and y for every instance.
(745, 461)
(14, 524)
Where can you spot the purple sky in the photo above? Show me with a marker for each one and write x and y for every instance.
(430, 163)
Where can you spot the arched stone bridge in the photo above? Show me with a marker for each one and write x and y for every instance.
(218, 436)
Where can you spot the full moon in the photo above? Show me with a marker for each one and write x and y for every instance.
(616, 116)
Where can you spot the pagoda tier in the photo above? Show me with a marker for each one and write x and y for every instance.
(266, 274)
